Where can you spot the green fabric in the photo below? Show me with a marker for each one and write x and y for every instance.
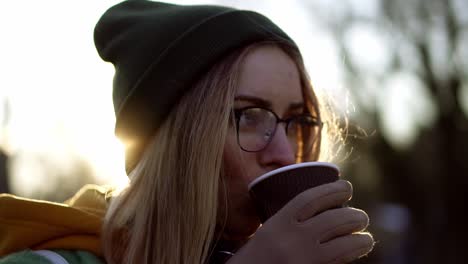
(72, 256)
(24, 257)
(78, 257)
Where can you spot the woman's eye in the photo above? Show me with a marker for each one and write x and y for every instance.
(249, 118)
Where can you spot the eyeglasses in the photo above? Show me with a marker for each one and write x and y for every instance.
(256, 127)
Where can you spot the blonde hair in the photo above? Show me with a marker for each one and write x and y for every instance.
(168, 213)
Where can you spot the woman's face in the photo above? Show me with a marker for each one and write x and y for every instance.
(269, 79)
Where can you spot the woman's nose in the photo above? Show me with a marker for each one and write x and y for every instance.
(279, 151)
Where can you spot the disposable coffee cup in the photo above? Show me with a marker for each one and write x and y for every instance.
(272, 190)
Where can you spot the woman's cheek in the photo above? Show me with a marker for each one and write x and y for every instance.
(239, 170)
(242, 219)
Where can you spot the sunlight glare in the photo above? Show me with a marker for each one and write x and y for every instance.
(406, 107)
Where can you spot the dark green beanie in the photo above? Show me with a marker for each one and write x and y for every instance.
(159, 50)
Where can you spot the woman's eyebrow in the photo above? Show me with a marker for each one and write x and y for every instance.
(296, 106)
(266, 104)
(254, 100)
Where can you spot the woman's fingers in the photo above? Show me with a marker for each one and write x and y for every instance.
(318, 199)
(338, 222)
(314, 228)
(345, 249)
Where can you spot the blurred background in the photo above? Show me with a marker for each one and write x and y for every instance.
(397, 71)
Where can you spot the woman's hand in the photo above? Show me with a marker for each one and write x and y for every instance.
(312, 228)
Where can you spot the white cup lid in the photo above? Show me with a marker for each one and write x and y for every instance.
(294, 166)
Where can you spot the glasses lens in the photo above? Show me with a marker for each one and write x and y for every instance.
(302, 133)
(256, 127)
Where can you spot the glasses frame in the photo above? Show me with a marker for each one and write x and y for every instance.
(287, 121)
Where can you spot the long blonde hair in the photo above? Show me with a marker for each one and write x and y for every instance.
(168, 213)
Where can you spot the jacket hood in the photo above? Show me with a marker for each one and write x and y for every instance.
(37, 224)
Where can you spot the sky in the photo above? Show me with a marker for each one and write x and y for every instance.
(59, 90)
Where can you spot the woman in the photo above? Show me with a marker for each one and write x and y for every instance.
(191, 84)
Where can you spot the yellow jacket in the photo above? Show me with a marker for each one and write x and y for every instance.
(36, 224)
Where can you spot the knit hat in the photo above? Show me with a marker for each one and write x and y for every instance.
(159, 50)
